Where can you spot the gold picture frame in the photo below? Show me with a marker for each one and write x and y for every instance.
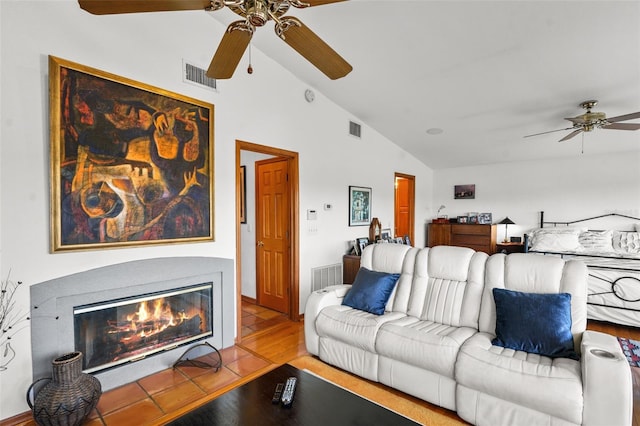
(130, 164)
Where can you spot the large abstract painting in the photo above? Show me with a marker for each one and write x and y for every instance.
(131, 164)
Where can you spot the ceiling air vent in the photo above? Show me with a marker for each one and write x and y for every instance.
(197, 75)
(354, 129)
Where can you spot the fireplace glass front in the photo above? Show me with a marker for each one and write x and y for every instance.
(127, 330)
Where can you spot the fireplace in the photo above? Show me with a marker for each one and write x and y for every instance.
(58, 305)
(130, 329)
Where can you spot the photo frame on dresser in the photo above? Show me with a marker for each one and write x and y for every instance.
(130, 164)
(485, 218)
(361, 243)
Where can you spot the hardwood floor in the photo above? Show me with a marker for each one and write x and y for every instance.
(269, 339)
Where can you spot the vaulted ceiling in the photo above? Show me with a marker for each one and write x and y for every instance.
(486, 73)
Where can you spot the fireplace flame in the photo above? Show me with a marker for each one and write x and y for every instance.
(149, 320)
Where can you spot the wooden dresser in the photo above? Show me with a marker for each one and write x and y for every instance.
(477, 237)
(350, 267)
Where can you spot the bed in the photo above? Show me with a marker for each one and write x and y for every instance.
(612, 257)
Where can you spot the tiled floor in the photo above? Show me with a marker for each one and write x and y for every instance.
(152, 399)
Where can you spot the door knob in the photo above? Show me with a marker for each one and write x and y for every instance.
(260, 243)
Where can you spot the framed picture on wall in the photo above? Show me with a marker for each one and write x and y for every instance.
(130, 164)
(359, 206)
(464, 192)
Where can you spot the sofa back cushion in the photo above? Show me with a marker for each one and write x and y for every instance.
(391, 259)
(534, 273)
(446, 287)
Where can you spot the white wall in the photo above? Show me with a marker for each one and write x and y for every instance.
(565, 189)
(266, 108)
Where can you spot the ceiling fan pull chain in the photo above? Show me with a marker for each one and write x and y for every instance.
(250, 68)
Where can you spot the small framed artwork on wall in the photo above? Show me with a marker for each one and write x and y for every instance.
(464, 192)
(359, 206)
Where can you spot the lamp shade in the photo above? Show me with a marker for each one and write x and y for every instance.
(507, 221)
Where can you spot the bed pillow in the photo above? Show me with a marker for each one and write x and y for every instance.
(596, 241)
(626, 242)
(538, 323)
(370, 291)
(556, 239)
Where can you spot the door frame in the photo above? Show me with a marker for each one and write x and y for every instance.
(412, 202)
(294, 261)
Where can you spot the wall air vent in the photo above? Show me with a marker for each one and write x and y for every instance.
(324, 276)
(355, 129)
(197, 75)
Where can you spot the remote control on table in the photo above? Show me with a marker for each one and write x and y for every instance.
(277, 395)
(289, 390)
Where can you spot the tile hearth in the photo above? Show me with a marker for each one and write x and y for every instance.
(150, 399)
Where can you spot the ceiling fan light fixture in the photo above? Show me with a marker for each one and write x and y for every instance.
(590, 121)
(257, 12)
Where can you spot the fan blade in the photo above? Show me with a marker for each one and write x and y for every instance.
(624, 117)
(230, 51)
(313, 48)
(550, 131)
(570, 135)
(622, 126)
(108, 7)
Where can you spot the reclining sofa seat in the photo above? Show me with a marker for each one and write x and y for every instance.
(499, 386)
(413, 346)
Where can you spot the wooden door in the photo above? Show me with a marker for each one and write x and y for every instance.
(272, 234)
(404, 206)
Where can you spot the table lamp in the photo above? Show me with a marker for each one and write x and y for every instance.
(506, 222)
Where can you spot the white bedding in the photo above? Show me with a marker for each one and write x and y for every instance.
(614, 286)
(612, 258)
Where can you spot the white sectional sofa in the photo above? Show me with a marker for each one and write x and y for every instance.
(434, 336)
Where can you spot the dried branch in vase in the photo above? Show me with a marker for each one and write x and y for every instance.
(12, 320)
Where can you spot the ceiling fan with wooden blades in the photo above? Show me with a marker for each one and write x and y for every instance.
(255, 13)
(595, 120)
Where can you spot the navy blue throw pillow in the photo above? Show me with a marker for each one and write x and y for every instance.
(538, 323)
(370, 291)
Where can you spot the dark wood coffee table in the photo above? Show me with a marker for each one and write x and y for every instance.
(316, 402)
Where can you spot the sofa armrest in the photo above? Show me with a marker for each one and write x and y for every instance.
(318, 300)
(606, 381)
